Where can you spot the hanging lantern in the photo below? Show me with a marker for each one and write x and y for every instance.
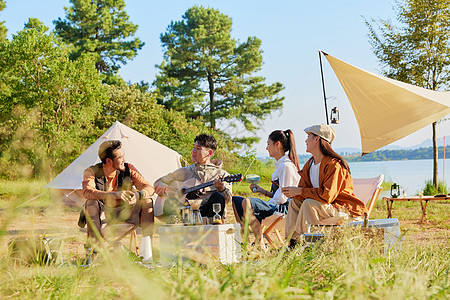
(395, 190)
(334, 115)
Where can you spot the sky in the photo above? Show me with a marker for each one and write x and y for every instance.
(292, 33)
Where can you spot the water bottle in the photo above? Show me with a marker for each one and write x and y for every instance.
(366, 220)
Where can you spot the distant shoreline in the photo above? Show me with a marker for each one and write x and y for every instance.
(390, 155)
(402, 154)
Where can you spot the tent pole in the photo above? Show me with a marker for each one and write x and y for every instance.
(323, 88)
(443, 170)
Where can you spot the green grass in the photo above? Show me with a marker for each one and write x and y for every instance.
(348, 267)
(263, 170)
(23, 193)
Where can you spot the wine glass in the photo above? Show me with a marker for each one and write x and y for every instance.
(217, 219)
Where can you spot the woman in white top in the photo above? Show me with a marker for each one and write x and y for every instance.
(281, 146)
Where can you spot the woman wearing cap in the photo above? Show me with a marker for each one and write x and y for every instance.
(286, 174)
(325, 188)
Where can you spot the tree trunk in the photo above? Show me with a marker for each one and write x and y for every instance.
(212, 120)
(435, 157)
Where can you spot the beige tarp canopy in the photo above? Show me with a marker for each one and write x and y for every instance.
(387, 110)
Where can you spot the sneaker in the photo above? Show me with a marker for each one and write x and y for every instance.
(90, 256)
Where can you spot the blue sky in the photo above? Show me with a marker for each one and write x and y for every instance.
(292, 32)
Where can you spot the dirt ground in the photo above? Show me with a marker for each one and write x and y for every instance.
(60, 221)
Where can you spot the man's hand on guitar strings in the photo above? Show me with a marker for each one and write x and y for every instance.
(219, 185)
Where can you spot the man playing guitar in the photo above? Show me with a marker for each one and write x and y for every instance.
(202, 170)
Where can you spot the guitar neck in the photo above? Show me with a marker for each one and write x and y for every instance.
(198, 187)
(230, 178)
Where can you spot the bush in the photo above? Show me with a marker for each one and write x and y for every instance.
(430, 189)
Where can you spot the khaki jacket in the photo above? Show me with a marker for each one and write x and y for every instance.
(202, 173)
(336, 186)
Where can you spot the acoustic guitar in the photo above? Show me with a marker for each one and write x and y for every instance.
(186, 187)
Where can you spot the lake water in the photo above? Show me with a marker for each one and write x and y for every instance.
(409, 174)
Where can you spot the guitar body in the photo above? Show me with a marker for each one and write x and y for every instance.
(176, 194)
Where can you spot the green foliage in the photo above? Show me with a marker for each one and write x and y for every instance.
(207, 73)
(403, 154)
(35, 23)
(250, 164)
(416, 49)
(3, 29)
(430, 189)
(100, 27)
(349, 266)
(48, 105)
(138, 109)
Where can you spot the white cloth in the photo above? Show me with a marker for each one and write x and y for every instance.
(314, 175)
(287, 174)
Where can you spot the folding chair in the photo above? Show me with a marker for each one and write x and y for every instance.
(274, 223)
(118, 232)
(366, 189)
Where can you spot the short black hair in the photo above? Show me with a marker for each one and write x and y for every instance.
(206, 140)
(107, 148)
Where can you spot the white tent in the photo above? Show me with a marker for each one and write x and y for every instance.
(151, 158)
(386, 109)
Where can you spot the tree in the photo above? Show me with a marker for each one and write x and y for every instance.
(206, 72)
(138, 109)
(416, 49)
(47, 113)
(101, 27)
(3, 29)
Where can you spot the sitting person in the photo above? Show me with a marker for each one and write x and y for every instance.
(286, 174)
(108, 188)
(203, 169)
(325, 187)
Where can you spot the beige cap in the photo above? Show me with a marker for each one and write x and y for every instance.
(324, 131)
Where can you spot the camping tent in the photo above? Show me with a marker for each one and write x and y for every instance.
(151, 158)
(386, 109)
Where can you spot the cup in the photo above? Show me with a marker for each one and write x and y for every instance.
(185, 214)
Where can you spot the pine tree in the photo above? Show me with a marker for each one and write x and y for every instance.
(206, 72)
(101, 27)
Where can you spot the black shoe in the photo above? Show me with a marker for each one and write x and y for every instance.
(82, 219)
(293, 244)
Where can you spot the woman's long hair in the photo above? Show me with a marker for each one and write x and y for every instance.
(326, 149)
(287, 140)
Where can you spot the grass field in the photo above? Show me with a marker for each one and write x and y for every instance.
(351, 267)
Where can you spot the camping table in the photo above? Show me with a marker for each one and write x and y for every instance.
(423, 202)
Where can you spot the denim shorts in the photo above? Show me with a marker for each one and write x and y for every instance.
(262, 209)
